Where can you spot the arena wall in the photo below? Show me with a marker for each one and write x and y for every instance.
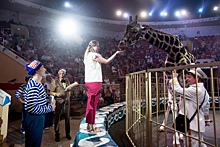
(12, 75)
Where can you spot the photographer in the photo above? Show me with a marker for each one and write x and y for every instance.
(191, 102)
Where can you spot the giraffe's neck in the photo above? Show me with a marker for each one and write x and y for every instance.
(177, 53)
(167, 42)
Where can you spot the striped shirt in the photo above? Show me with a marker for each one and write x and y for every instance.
(21, 91)
(35, 98)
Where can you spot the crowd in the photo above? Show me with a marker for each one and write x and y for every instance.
(55, 54)
(208, 47)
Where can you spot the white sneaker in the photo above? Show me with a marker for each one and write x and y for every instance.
(22, 132)
(47, 128)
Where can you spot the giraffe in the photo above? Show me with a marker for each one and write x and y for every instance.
(171, 44)
(177, 54)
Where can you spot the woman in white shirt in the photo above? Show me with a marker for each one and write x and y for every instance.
(93, 80)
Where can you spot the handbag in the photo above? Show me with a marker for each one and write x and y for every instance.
(180, 120)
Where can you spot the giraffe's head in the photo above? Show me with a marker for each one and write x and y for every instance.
(132, 33)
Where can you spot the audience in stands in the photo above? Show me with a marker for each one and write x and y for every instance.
(54, 54)
(208, 47)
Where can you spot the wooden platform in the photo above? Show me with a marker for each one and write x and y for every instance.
(105, 117)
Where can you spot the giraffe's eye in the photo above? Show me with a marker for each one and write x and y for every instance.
(133, 30)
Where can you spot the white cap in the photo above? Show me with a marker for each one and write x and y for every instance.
(62, 70)
(199, 73)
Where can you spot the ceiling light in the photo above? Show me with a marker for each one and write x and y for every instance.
(67, 4)
(177, 13)
(125, 15)
(200, 10)
(183, 12)
(143, 14)
(118, 13)
(215, 8)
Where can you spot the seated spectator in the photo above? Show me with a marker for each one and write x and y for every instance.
(77, 60)
(81, 81)
(19, 48)
(45, 58)
(149, 60)
(114, 70)
(106, 80)
(108, 96)
(117, 95)
(101, 101)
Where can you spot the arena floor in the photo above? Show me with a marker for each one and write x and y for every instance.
(16, 139)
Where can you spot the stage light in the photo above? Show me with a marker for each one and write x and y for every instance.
(177, 13)
(67, 4)
(67, 27)
(183, 12)
(125, 15)
(200, 10)
(164, 13)
(143, 14)
(215, 8)
(118, 13)
(151, 12)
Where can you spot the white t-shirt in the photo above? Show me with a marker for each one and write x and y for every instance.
(93, 69)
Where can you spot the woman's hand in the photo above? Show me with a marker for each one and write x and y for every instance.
(175, 75)
(119, 52)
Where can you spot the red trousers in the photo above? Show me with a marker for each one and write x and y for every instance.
(94, 89)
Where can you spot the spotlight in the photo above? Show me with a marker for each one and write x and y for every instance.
(118, 13)
(183, 12)
(215, 8)
(125, 15)
(143, 14)
(67, 27)
(163, 13)
(200, 10)
(177, 13)
(67, 4)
